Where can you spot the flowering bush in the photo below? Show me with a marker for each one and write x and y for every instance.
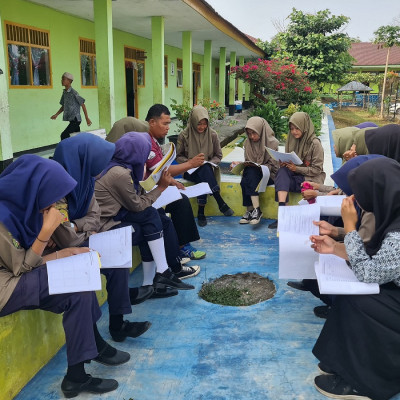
(182, 111)
(285, 82)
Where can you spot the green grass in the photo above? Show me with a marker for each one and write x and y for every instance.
(350, 117)
(229, 295)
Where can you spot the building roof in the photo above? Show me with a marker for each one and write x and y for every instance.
(371, 54)
(354, 86)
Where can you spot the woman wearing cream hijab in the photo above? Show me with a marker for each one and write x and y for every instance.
(199, 138)
(259, 136)
(307, 146)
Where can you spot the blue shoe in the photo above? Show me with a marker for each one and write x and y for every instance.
(189, 251)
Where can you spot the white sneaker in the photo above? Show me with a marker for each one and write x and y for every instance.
(185, 260)
(256, 216)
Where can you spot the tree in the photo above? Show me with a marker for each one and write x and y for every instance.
(387, 36)
(315, 43)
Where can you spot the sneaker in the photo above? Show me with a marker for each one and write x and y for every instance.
(325, 370)
(185, 260)
(335, 387)
(226, 210)
(246, 217)
(201, 220)
(256, 216)
(188, 272)
(189, 251)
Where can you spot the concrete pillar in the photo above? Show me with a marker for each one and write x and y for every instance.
(240, 82)
(207, 70)
(232, 82)
(222, 75)
(157, 56)
(187, 67)
(6, 151)
(246, 103)
(105, 62)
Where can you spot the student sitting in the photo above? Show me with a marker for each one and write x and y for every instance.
(199, 138)
(27, 220)
(121, 199)
(259, 136)
(125, 125)
(385, 141)
(307, 146)
(359, 345)
(84, 157)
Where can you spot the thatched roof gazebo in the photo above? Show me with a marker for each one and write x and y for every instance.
(354, 87)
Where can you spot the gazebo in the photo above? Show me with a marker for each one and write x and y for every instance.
(354, 87)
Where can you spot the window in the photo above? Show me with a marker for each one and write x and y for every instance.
(166, 71)
(179, 73)
(28, 56)
(197, 74)
(87, 52)
(138, 57)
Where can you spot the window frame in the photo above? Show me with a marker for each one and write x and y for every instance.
(92, 61)
(166, 71)
(179, 73)
(43, 34)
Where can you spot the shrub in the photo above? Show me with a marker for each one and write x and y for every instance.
(272, 114)
(314, 110)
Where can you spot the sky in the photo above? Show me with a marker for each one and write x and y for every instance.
(257, 17)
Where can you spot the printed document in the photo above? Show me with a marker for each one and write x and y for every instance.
(284, 157)
(79, 273)
(330, 205)
(169, 195)
(196, 190)
(336, 277)
(155, 176)
(191, 170)
(262, 185)
(296, 257)
(114, 247)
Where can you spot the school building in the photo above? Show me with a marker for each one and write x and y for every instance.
(125, 56)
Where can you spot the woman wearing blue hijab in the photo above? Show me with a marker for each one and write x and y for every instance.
(122, 199)
(29, 188)
(84, 156)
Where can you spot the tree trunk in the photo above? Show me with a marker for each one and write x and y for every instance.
(384, 82)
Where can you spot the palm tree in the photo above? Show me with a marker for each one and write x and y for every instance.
(387, 36)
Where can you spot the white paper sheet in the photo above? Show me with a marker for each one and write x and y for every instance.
(114, 247)
(284, 157)
(335, 277)
(264, 180)
(196, 190)
(191, 170)
(296, 257)
(330, 205)
(79, 273)
(169, 195)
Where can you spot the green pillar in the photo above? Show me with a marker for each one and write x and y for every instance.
(232, 84)
(187, 67)
(6, 151)
(240, 82)
(105, 62)
(246, 103)
(157, 57)
(222, 75)
(207, 74)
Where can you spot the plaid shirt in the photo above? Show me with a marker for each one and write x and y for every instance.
(72, 103)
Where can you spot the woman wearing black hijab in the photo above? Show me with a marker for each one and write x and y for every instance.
(385, 141)
(359, 345)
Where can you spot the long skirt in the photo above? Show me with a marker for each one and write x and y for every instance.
(360, 341)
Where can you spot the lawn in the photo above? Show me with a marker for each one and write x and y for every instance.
(354, 116)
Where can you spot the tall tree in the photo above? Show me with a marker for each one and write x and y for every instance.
(316, 43)
(387, 36)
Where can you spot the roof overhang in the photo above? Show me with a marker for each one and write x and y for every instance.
(196, 16)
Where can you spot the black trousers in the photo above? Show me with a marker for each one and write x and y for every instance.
(287, 181)
(73, 126)
(183, 219)
(250, 179)
(80, 312)
(205, 173)
(360, 341)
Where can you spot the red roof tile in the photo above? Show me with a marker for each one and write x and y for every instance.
(374, 54)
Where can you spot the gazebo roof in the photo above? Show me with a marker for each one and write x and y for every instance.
(354, 86)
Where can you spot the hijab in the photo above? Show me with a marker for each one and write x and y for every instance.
(132, 151)
(343, 139)
(199, 142)
(341, 175)
(301, 146)
(256, 151)
(124, 125)
(384, 140)
(366, 124)
(27, 186)
(83, 156)
(376, 187)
